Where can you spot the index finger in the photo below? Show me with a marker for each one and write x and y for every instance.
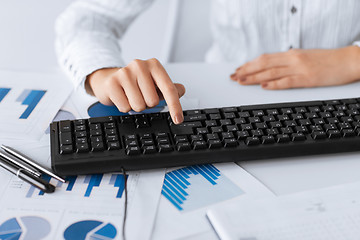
(168, 90)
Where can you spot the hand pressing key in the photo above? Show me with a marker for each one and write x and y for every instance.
(141, 84)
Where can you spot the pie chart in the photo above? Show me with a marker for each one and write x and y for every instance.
(90, 230)
(28, 228)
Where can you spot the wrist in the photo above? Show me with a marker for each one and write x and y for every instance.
(354, 63)
(97, 77)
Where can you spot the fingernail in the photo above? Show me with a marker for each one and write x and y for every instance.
(242, 79)
(264, 85)
(232, 76)
(179, 118)
(238, 68)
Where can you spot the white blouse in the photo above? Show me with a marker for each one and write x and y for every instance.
(88, 32)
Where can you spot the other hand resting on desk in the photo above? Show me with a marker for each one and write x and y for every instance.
(298, 68)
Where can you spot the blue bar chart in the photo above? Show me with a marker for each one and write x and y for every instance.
(4, 92)
(117, 181)
(197, 186)
(31, 98)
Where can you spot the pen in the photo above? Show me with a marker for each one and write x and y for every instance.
(20, 164)
(27, 177)
(31, 162)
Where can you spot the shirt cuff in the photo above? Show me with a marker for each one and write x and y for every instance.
(357, 43)
(88, 54)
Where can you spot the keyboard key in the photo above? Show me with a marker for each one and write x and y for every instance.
(113, 146)
(229, 115)
(130, 137)
(261, 125)
(149, 149)
(267, 139)
(282, 138)
(196, 138)
(101, 119)
(224, 122)
(242, 134)
(184, 146)
(246, 126)
(348, 133)
(215, 144)
(199, 145)
(251, 141)
(244, 114)
(163, 140)
(272, 131)
(80, 134)
(231, 128)
(254, 119)
(286, 130)
(212, 136)
(215, 116)
(82, 148)
(216, 129)
(95, 126)
(193, 112)
(226, 135)
(165, 148)
(229, 109)
(239, 121)
(145, 136)
(230, 142)
(65, 138)
(99, 146)
(298, 137)
(257, 133)
(314, 128)
(147, 142)
(131, 143)
(301, 129)
(192, 118)
(202, 130)
(109, 125)
(283, 117)
(180, 139)
(81, 140)
(80, 128)
(96, 139)
(95, 132)
(318, 135)
(211, 110)
(66, 149)
(133, 150)
(65, 126)
(275, 124)
(334, 134)
(210, 123)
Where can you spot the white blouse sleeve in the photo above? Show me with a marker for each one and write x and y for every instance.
(88, 34)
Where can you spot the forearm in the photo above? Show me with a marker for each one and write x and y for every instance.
(88, 33)
(355, 64)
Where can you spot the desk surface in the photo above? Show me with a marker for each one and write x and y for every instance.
(210, 84)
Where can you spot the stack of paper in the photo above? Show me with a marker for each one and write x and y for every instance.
(329, 214)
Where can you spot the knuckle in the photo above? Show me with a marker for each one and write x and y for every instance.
(124, 108)
(154, 61)
(136, 63)
(139, 107)
(152, 102)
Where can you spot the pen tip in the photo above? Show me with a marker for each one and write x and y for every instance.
(50, 188)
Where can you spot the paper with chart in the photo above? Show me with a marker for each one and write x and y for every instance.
(91, 205)
(188, 192)
(329, 214)
(86, 207)
(29, 101)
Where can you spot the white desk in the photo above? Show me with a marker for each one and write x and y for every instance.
(210, 84)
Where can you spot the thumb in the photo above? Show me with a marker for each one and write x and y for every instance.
(180, 88)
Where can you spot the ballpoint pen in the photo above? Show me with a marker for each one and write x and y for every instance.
(31, 162)
(27, 177)
(18, 163)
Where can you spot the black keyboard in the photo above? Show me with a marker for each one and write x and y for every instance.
(229, 134)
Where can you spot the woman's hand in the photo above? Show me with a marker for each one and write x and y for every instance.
(301, 68)
(139, 85)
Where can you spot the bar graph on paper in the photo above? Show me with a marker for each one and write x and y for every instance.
(193, 187)
(86, 186)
